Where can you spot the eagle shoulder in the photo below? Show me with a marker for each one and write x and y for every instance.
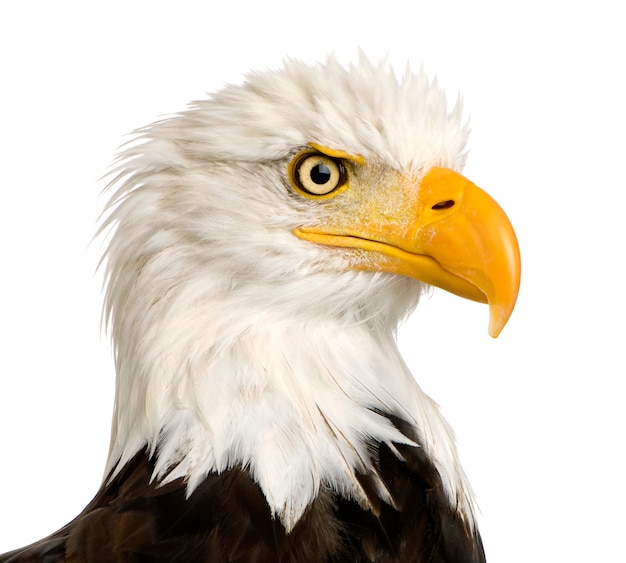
(227, 518)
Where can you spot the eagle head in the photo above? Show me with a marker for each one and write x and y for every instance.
(262, 247)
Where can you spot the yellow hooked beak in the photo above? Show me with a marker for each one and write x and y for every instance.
(455, 237)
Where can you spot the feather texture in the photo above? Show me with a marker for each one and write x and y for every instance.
(227, 518)
(263, 411)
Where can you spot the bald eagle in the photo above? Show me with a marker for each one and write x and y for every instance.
(263, 246)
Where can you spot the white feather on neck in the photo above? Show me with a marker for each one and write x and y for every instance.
(292, 399)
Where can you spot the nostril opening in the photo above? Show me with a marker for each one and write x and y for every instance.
(443, 204)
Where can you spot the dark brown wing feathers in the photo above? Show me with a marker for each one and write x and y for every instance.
(227, 519)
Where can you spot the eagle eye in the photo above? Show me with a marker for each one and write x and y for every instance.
(317, 174)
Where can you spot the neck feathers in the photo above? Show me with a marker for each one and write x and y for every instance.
(301, 405)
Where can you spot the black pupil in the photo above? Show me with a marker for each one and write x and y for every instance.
(320, 174)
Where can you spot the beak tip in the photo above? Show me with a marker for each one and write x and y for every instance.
(499, 315)
(494, 332)
(495, 327)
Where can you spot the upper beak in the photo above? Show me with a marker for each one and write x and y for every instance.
(456, 237)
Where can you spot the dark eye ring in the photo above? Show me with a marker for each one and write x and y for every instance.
(317, 174)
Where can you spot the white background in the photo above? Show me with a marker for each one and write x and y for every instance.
(538, 412)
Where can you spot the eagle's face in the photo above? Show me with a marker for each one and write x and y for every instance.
(284, 219)
(233, 179)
